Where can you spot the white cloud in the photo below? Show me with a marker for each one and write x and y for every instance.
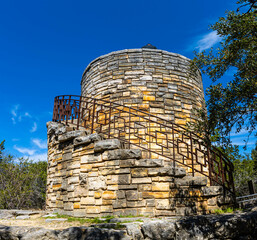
(13, 120)
(24, 150)
(37, 157)
(34, 127)
(14, 110)
(18, 116)
(40, 143)
(208, 40)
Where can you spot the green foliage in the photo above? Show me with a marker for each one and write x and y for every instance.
(22, 183)
(1, 150)
(244, 168)
(222, 211)
(233, 105)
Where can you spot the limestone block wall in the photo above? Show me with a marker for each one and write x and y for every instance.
(155, 81)
(89, 176)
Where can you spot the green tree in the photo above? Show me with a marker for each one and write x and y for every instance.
(22, 183)
(233, 105)
(1, 150)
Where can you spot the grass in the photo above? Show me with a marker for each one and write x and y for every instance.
(226, 210)
(107, 219)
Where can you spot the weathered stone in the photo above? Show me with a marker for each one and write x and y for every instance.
(55, 128)
(191, 181)
(87, 200)
(90, 158)
(82, 140)
(132, 195)
(107, 144)
(149, 163)
(139, 172)
(212, 190)
(96, 183)
(160, 187)
(141, 180)
(109, 195)
(159, 230)
(87, 139)
(70, 135)
(122, 154)
(162, 204)
(73, 180)
(119, 203)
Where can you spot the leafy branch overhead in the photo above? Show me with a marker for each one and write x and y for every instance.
(233, 105)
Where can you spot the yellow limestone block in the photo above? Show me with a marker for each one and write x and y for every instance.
(149, 98)
(155, 194)
(97, 195)
(57, 186)
(109, 195)
(160, 187)
(76, 205)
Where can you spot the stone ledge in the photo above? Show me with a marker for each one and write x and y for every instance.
(225, 226)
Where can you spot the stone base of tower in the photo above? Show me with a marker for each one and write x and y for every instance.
(89, 176)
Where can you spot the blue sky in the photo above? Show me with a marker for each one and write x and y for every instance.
(46, 45)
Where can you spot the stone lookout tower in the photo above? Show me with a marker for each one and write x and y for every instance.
(122, 147)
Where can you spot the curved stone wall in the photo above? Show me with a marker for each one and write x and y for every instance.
(152, 80)
(89, 176)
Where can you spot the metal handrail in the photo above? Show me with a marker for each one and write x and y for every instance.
(103, 116)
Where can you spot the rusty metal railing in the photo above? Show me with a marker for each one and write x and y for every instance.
(154, 135)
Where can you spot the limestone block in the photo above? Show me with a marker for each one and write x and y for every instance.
(150, 202)
(139, 172)
(87, 139)
(81, 140)
(120, 179)
(73, 180)
(83, 178)
(132, 195)
(107, 144)
(141, 180)
(191, 181)
(109, 195)
(120, 194)
(127, 163)
(128, 186)
(162, 204)
(98, 195)
(122, 154)
(106, 209)
(96, 183)
(70, 135)
(160, 187)
(144, 187)
(76, 205)
(212, 190)
(155, 194)
(111, 171)
(149, 163)
(80, 191)
(68, 206)
(119, 203)
(134, 204)
(93, 209)
(55, 128)
(79, 212)
(67, 156)
(87, 201)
